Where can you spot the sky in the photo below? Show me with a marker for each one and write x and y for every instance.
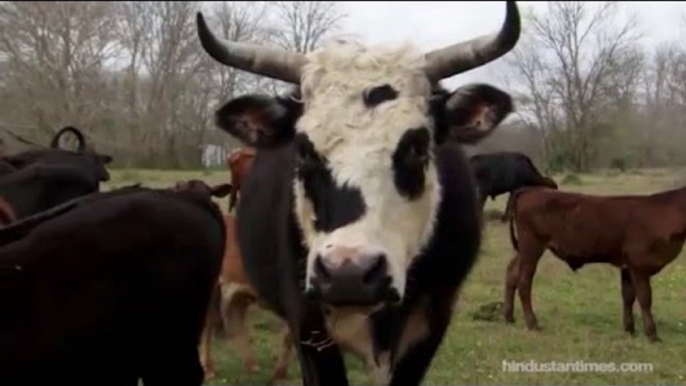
(433, 25)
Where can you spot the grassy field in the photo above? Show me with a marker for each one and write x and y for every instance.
(580, 313)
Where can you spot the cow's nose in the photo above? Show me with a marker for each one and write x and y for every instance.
(352, 279)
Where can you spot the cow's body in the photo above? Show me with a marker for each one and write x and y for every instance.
(89, 162)
(504, 172)
(106, 289)
(359, 220)
(239, 162)
(640, 235)
(38, 187)
(6, 168)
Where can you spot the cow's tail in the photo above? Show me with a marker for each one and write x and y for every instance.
(513, 238)
(514, 196)
(69, 129)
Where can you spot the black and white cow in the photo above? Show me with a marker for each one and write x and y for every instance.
(360, 220)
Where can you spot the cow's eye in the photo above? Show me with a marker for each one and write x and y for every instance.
(377, 95)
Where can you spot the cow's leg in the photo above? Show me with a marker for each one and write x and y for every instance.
(174, 365)
(284, 358)
(628, 297)
(413, 365)
(511, 280)
(234, 310)
(207, 335)
(206, 352)
(530, 251)
(483, 203)
(644, 294)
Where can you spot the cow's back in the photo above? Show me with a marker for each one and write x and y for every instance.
(578, 226)
(110, 288)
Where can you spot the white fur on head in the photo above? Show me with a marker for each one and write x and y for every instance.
(358, 141)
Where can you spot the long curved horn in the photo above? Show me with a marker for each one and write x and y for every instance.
(271, 62)
(461, 57)
(69, 129)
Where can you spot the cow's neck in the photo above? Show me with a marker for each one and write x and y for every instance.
(676, 200)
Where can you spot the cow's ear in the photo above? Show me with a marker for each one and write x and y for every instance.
(222, 190)
(259, 120)
(471, 113)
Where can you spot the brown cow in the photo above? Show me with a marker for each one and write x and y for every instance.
(240, 162)
(638, 234)
(236, 295)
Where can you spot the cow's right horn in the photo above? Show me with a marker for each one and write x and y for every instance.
(464, 56)
(271, 62)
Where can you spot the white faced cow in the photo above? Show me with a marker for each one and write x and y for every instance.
(359, 222)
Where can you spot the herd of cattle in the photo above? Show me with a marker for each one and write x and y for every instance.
(354, 216)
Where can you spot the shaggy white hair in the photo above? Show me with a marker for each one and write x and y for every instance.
(359, 141)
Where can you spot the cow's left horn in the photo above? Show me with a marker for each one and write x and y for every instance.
(271, 62)
(461, 57)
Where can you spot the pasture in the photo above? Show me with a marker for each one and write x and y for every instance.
(580, 313)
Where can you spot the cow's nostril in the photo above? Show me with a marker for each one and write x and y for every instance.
(376, 271)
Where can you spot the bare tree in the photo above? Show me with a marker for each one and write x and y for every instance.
(306, 24)
(55, 57)
(663, 120)
(133, 74)
(570, 58)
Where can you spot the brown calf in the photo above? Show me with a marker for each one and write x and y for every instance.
(235, 296)
(638, 234)
(240, 162)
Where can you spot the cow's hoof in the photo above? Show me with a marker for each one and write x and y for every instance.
(654, 339)
(279, 378)
(209, 375)
(252, 368)
(509, 319)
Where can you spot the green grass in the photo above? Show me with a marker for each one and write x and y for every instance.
(580, 313)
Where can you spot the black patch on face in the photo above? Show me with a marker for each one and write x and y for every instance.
(334, 206)
(410, 161)
(378, 95)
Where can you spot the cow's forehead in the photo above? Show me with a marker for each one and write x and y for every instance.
(343, 67)
(336, 119)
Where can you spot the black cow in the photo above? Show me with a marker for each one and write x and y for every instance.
(109, 289)
(6, 168)
(359, 220)
(87, 160)
(38, 187)
(505, 172)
